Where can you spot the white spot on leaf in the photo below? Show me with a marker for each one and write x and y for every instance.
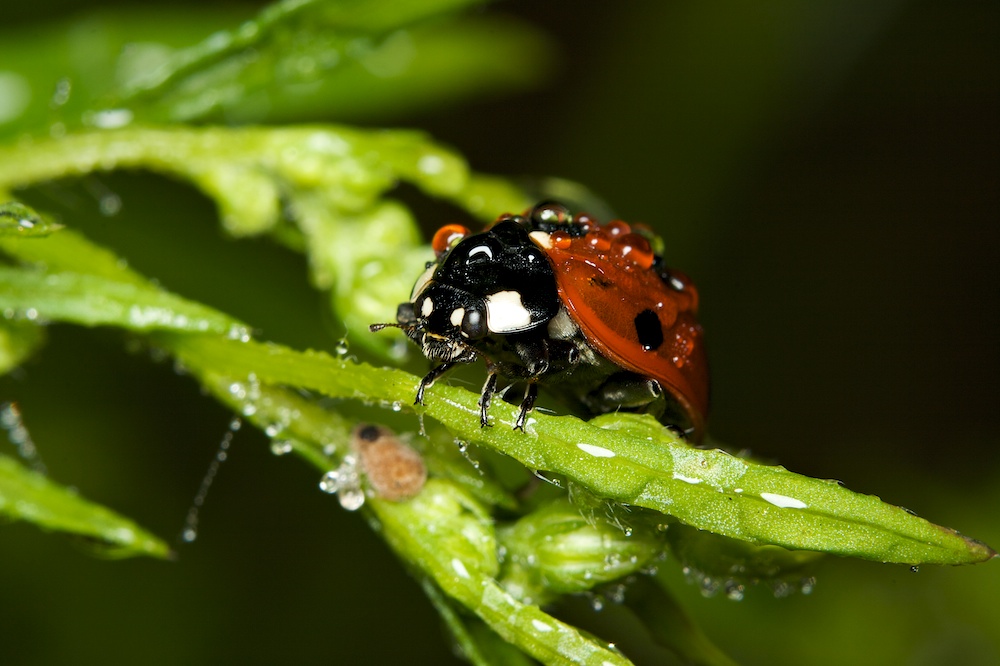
(596, 451)
(783, 501)
(541, 626)
(459, 568)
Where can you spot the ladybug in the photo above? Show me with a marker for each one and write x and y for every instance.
(548, 297)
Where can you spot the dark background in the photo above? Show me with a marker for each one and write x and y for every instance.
(828, 175)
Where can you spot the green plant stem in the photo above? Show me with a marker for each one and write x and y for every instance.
(628, 460)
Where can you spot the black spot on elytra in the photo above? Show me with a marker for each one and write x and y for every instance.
(603, 283)
(369, 433)
(649, 330)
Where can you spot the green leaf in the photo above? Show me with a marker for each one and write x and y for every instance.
(20, 221)
(37, 295)
(446, 535)
(296, 60)
(29, 496)
(69, 251)
(330, 180)
(628, 459)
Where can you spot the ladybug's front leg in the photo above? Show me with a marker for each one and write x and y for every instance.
(534, 354)
(432, 376)
(489, 388)
(530, 393)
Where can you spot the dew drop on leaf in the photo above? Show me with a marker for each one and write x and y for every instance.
(330, 483)
(280, 447)
(352, 499)
(734, 590)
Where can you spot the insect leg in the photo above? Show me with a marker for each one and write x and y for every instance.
(489, 388)
(530, 394)
(430, 378)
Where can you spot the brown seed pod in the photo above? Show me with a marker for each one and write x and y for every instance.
(395, 471)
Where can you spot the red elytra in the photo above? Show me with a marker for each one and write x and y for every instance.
(606, 282)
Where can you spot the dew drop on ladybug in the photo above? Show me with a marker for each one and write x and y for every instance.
(549, 298)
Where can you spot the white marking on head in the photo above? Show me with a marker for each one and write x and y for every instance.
(481, 249)
(457, 315)
(427, 307)
(505, 313)
(541, 239)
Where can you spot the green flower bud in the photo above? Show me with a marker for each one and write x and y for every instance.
(556, 550)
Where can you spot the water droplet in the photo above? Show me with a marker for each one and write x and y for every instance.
(915, 568)
(280, 447)
(341, 347)
(241, 333)
(807, 585)
(709, 586)
(61, 94)
(616, 594)
(190, 530)
(397, 406)
(273, 429)
(110, 204)
(597, 602)
(108, 118)
(734, 590)
(17, 433)
(781, 589)
(351, 499)
(330, 483)
(552, 480)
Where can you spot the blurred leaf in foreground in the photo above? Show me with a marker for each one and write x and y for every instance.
(29, 496)
(296, 60)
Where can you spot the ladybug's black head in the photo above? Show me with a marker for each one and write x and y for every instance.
(497, 282)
